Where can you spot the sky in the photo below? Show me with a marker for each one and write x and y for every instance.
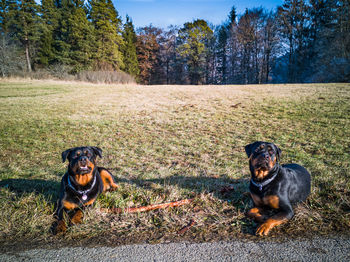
(162, 13)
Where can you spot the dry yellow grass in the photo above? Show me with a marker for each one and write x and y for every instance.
(166, 143)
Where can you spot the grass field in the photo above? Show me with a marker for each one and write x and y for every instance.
(166, 143)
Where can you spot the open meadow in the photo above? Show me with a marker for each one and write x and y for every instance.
(167, 143)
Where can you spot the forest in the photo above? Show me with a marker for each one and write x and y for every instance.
(298, 42)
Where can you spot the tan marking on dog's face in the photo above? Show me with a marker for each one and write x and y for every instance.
(261, 173)
(84, 179)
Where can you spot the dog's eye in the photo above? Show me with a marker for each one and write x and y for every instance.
(76, 155)
(259, 148)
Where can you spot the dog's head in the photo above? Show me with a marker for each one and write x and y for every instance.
(263, 157)
(82, 160)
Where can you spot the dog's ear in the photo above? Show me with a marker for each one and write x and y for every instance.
(278, 152)
(65, 154)
(97, 151)
(249, 148)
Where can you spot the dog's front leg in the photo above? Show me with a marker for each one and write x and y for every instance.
(62, 208)
(278, 219)
(59, 226)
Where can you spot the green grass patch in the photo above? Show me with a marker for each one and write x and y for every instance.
(167, 143)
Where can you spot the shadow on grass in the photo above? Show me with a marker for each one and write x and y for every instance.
(223, 188)
(234, 191)
(47, 188)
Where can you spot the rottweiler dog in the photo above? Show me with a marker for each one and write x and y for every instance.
(274, 186)
(80, 185)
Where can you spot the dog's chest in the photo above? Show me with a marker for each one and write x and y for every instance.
(270, 200)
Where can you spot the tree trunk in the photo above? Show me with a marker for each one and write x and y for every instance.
(267, 67)
(29, 67)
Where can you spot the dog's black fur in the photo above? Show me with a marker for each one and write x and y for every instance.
(81, 184)
(273, 185)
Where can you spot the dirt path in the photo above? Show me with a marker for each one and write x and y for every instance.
(318, 249)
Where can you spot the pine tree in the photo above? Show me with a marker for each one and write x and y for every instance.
(11, 55)
(221, 48)
(232, 16)
(131, 65)
(107, 24)
(232, 48)
(50, 17)
(81, 37)
(210, 56)
(74, 40)
(328, 48)
(26, 27)
(7, 13)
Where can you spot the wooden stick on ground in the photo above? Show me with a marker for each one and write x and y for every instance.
(147, 208)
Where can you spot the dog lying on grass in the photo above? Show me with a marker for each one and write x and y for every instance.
(80, 185)
(274, 186)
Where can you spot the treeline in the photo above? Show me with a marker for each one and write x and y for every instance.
(298, 42)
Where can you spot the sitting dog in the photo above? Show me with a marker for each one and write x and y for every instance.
(81, 184)
(273, 185)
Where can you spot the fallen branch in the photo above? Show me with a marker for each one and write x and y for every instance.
(146, 208)
(185, 228)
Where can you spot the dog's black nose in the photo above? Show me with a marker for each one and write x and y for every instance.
(83, 159)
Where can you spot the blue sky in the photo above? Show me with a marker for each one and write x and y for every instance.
(162, 13)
